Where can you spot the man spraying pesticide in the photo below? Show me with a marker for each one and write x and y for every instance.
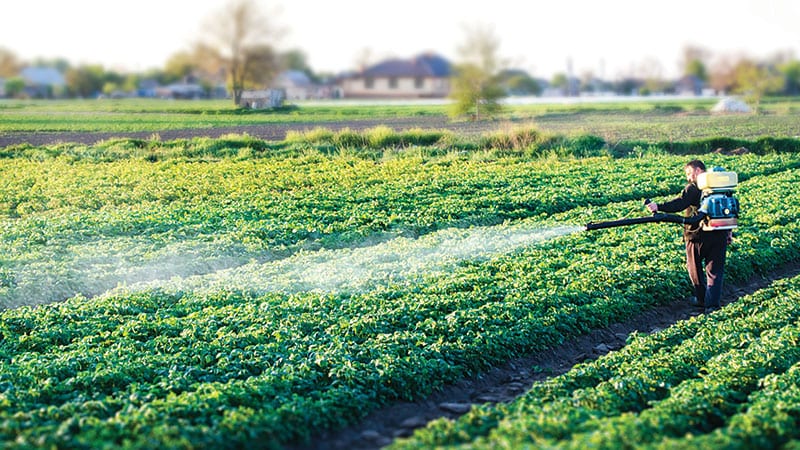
(711, 213)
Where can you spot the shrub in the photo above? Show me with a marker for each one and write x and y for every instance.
(514, 139)
(317, 135)
(381, 136)
(346, 138)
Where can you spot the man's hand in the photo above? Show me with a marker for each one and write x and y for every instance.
(730, 237)
(653, 207)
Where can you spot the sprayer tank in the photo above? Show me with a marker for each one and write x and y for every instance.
(717, 181)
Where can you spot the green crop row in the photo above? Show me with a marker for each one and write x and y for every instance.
(230, 368)
(708, 382)
(662, 387)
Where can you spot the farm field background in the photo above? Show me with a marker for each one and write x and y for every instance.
(234, 291)
(665, 120)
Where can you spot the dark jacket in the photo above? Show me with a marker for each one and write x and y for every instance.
(689, 200)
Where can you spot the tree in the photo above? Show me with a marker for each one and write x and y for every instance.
(560, 81)
(297, 60)
(791, 75)
(754, 81)
(694, 62)
(60, 64)
(722, 76)
(131, 83)
(9, 64)
(110, 88)
(239, 43)
(15, 87)
(518, 82)
(85, 81)
(697, 69)
(477, 87)
(179, 66)
(651, 72)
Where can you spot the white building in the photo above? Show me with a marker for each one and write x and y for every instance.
(424, 76)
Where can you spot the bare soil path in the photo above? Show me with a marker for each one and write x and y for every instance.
(267, 131)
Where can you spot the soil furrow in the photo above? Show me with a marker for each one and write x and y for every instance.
(268, 132)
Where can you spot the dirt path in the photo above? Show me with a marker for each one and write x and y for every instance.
(507, 382)
(269, 132)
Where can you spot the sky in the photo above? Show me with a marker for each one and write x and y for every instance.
(609, 38)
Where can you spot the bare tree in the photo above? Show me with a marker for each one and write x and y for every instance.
(364, 58)
(652, 74)
(239, 41)
(180, 65)
(722, 75)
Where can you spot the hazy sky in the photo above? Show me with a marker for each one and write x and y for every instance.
(608, 37)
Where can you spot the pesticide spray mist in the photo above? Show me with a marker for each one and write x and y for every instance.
(363, 268)
(94, 266)
(118, 265)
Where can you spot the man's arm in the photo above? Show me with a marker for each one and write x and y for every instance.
(678, 204)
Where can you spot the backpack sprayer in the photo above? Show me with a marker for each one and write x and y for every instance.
(719, 209)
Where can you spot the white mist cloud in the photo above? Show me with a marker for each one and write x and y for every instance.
(363, 268)
(123, 264)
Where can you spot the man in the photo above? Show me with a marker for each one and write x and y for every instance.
(701, 246)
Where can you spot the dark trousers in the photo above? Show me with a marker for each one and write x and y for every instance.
(705, 261)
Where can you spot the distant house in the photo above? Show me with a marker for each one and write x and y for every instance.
(43, 82)
(181, 91)
(298, 86)
(426, 75)
(147, 88)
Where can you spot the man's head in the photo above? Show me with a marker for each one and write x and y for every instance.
(692, 169)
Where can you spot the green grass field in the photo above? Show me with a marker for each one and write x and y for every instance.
(657, 120)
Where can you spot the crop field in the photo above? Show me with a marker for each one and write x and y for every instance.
(236, 292)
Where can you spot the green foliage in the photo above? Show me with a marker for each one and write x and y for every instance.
(377, 138)
(477, 85)
(791, 73)
(217, 365)
(697, 68)
(14, 87)
(725, 380)
(475, 93)
(317, 135)
(520, 84)
(518, 138)
(760, 146)
(720, 380)
(756, 81)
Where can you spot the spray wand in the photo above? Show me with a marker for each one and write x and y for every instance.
(719, 209)
(656, 217)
